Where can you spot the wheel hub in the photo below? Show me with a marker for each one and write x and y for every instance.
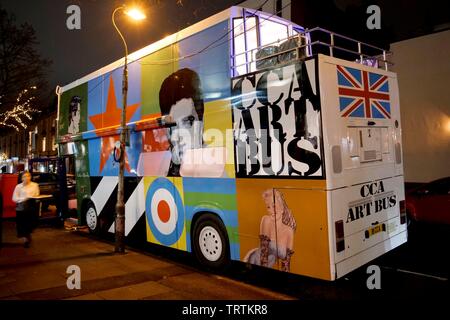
(210, 243)
(91, 218)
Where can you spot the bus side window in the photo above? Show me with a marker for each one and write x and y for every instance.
(272, 32)
(245, 41)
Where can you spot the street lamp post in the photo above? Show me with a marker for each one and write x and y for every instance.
(120, 205)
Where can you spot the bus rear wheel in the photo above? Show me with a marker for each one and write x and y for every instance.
(210, 242)
(92, 218)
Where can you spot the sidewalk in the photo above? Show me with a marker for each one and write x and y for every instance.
(40, 272)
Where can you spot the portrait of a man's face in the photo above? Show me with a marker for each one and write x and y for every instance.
(74, 115)
(181, 98)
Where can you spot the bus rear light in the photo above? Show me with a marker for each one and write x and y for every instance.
(398, 153)
(337, 159)
(340, 240)
(402, 212)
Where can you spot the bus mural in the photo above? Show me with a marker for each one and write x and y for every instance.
(276, 235)
(251, 148)
(287, 106)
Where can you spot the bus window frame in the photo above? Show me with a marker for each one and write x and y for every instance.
(292, 29)
(246, 52)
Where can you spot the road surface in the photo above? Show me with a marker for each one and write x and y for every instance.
(417, 269)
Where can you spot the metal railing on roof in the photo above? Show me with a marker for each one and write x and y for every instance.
(309, 43)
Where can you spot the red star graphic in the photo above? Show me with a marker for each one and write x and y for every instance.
(111, 118)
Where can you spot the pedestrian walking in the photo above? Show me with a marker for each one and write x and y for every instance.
(25, 207)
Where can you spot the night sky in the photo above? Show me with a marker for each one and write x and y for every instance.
(76, 53)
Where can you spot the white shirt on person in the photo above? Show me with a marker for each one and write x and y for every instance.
(24, 192)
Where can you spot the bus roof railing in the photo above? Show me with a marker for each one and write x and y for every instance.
(311, 42)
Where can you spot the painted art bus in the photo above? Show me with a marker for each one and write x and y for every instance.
(250, 139)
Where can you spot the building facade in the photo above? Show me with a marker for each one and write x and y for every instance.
(423, 70)
(38, 140)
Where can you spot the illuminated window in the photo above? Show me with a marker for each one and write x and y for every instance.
(272, 32)
(44, 142)
(258, 39)
(245, 44)
(54, 146)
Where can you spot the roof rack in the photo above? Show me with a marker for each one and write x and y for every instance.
(311, 42)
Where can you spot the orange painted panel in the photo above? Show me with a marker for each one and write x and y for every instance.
(283, 224)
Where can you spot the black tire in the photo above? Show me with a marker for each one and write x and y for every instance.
(211, 228)
(92, 224)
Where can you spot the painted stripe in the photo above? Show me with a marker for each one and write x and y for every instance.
(218, 200)
(378, 83)
(361, 93)
(103, 191)
(209, 185)
(382, 109)
(352, 107)
(349, 77)
(94, 181)
(366, 98)
(235, 251)
(134, 209)
(233, 234)
(229, 217)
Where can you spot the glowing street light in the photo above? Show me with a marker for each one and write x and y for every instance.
(135, 14)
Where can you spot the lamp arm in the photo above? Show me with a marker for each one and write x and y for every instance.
(118, 31)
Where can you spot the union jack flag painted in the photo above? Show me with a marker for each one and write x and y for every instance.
(363, 94)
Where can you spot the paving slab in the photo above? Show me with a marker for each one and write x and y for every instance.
(134, 292)
(39, 272)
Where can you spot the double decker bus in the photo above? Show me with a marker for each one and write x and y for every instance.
(250, 138)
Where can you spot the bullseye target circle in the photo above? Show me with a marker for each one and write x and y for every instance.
(164, 210)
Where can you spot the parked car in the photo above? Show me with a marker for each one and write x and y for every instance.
(430, 202)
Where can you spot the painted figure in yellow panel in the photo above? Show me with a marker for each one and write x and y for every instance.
(276, 233)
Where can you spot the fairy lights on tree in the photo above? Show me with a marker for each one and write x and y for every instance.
(22, 110)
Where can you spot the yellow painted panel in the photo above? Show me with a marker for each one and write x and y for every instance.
(311, 246)
(303, 229)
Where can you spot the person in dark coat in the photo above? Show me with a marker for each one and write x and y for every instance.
(25, 207)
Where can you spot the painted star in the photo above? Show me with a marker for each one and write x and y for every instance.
(110, 118)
